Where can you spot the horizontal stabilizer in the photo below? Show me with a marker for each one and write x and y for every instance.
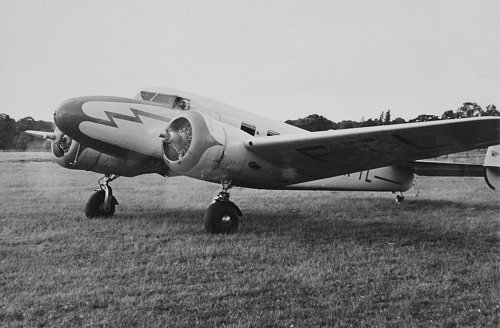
(447, 169)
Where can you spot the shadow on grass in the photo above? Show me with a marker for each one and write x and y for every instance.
(165, 216)
(362, 220)
(417, 222)
(440, 204)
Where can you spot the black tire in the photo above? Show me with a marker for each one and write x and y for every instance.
(221, 217)
(95, 209)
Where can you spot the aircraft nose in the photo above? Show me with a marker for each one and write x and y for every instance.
(65, 116)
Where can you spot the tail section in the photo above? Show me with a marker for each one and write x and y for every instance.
(492, 167)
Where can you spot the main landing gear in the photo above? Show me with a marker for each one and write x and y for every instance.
(222, 216)
(102, 203)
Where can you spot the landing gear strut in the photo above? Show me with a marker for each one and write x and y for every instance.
(222, 216)
(102, 203)
(400, 198)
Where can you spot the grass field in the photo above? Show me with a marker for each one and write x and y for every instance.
(299, 259)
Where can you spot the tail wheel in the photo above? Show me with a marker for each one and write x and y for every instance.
(221, 217)
(95, 206)
(400, 199)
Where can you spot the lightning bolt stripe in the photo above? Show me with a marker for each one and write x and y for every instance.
(106, 113)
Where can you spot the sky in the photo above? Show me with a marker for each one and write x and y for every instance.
(285, 59)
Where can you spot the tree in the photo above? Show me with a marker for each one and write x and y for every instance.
(491, 110)
(25, 141)
(369, 122)
(387, 119)
(347, 125)
(12, 134)
(424, 118)
(7, 131)
(316, 122)
(312, 122)
(381, 118)
(469, 109)
(398, 120)
(448, 115)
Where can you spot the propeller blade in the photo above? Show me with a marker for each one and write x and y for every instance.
(42, 134)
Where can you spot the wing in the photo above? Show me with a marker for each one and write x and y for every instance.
(331, 153)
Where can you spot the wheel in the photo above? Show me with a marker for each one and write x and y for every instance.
(400, 199)
(95, 206)
(221, 217)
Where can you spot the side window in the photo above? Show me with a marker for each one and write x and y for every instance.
(248, 128)
(272, 133)
(182, 104)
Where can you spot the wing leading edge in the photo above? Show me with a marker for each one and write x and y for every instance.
(336, 152)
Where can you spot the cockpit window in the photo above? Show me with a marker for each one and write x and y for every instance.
(165, 99)
(147, 95)
(171, 101)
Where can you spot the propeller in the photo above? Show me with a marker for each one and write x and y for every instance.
(60, 142)
(177, 139)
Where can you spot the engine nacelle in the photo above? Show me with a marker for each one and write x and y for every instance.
(193, 141)
(194, 145)
(72, 155)
(201, 147)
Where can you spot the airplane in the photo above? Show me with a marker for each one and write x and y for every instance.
(171, 133)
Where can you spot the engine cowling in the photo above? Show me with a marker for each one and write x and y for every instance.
(201, 147)
(193, 141)
(194, 145)
(72, 155)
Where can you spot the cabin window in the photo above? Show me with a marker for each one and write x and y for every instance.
(272, 133)
(181, 104)
(147, 95)
(248, 128)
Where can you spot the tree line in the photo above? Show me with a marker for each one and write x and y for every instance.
(317, 122)
(12, 136)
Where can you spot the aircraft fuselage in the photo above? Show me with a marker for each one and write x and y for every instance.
(130, 128)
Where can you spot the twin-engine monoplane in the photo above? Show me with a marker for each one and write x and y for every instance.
(171, 132)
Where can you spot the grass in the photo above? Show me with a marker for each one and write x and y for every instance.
(300, 259)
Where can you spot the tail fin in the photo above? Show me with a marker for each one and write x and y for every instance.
(492, 167)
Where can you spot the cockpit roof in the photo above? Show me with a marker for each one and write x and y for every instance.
(207, 105)
(195, 101)
(170, 99)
